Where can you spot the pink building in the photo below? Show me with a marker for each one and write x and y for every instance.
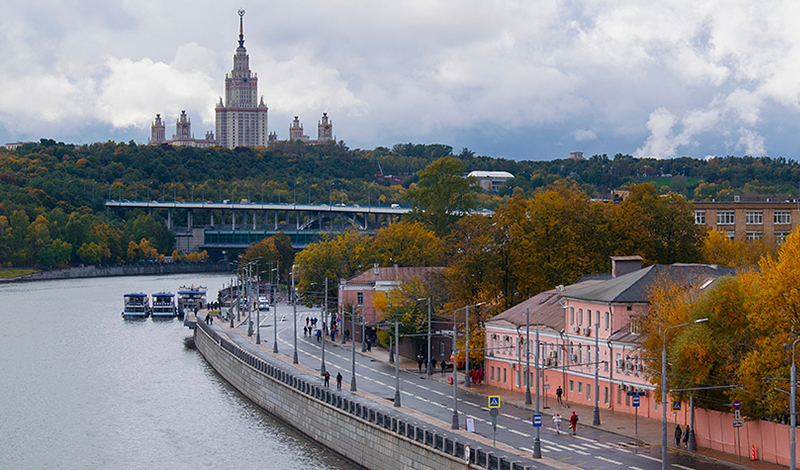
(593, 323)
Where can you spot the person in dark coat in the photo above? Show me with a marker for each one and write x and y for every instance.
(339, 381)
(678, 435)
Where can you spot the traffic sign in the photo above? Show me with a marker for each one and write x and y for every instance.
(738, 423)
(635, 401)
(537, 421)
(466, 454)
(494, 401)
(639, 393)
(737, 405)
(676, 406)
(493, 412)
(737, 414)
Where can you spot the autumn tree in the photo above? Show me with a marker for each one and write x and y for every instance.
(723, 251)
(405, 244)
(333, 258)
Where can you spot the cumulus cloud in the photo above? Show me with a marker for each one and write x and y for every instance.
(665, 78)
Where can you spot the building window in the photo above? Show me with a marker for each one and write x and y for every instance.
(725, 218)
(571, 386)
(608, 320)
(580, 316)
(492, 373)
(619, 395)
(781, 236)
(754, 217)
(588, 392)
(504, 373)
(572, 315)
(754, 235)
(782, 217)
(605, 395)
(635, 325)
(588, 318)
(700, 217)
(441, 347)
(580, 387)
(360, 299)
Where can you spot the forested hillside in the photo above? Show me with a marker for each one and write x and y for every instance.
(52, 194)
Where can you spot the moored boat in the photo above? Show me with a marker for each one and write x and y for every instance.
(191, 298)
(164, 306)
(136, 305)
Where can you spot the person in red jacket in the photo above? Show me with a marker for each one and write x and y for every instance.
(573, 422)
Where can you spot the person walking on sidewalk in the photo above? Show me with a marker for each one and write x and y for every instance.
(678, 435)
(557, 423)
(573, 423)
(558, 395)
(327, 380)
(339, 381)
(686, 437)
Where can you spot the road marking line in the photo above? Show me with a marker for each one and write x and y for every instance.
(681, 466)
(635, 468)
(607, 460)
(649, 457)
(519, 433)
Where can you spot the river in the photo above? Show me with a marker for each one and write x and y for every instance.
(82, 388)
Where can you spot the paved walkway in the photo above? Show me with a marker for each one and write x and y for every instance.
(646, 433)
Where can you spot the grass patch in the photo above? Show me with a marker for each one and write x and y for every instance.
(7, 273)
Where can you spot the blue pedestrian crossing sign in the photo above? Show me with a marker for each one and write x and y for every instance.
(676, 406)
(494, 401)
(635, 401)
(537, 421)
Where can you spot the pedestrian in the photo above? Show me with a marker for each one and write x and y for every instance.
(347, 334)
(557, 423)
(686, 437)
(558, 395)
(419, 362)
(333, 335)
(573, 423)
(369, 344)
(339, 381)
(480, 376)
(678, 435)
(307, 321)
(444, 365)
(319, 335)
(327, 379)
(433, 365)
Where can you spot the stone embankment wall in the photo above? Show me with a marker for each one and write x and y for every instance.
(124, 270)
(369, 434)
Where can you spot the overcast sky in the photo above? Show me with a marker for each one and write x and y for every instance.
(525, 80)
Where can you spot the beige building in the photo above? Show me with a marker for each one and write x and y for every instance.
(749, 218)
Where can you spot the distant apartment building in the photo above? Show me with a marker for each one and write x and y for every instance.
(490, 181)
(750, 218)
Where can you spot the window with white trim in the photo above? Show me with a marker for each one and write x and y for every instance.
(700, 217)
(726, 218)
(608, 320)
(782, 217)
(754, 217)
(754, 235)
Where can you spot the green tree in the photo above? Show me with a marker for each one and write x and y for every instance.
(333, 259)
(442, 194)
(90, 253)
(57, 253)
(659, 228)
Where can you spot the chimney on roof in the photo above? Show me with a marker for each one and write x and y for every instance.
(376, 269)
(621, 265)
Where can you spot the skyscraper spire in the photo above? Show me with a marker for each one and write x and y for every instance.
(241, 28)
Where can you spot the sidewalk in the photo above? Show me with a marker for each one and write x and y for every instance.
(622, 424)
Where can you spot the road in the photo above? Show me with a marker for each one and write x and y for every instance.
(590, 449)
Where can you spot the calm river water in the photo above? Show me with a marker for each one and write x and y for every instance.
(82, 388)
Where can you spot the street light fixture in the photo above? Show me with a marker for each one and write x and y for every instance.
(664, 390)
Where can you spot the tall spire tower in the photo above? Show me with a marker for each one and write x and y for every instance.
(241, 118)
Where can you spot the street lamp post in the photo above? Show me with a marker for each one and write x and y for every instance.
(353, 378)
(664, 390)
(294, 309)
(793, 412)
(454, 424)
(527, 356)
(466, 346)
(247, 296)
(537, 443)
(275, 318)
(428, 369)
(396, 362)
(258, 310)
(596, 416)
(324, 319)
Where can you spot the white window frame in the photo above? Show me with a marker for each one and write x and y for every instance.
(700, 217)
(726, 217)
(782, 217)
(754, 218)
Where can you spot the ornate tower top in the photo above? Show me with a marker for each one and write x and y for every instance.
(241, 27)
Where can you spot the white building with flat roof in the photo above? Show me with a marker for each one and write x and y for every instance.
(491, 180)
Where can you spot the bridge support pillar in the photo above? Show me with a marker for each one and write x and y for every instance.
(254, 221)
(189, 220)
(169, 219)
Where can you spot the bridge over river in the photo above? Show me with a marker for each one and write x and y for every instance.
(225, 228)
